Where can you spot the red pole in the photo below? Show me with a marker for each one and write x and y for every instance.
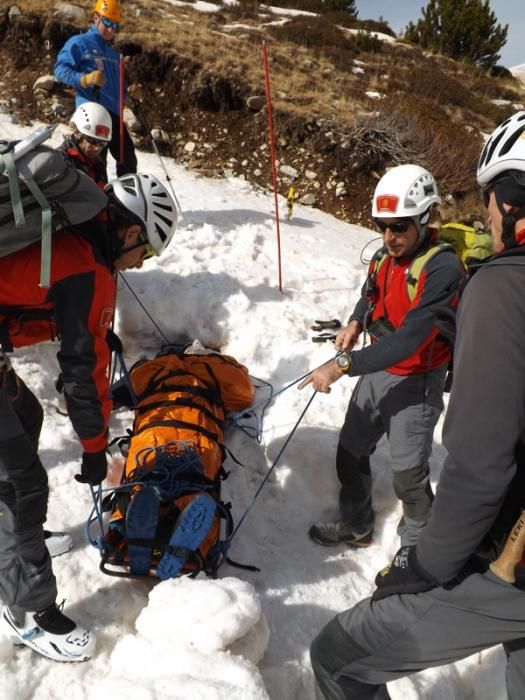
(272, 155)
(121, 99)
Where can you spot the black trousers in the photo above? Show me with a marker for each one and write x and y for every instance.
(27, 582)
(129, 164)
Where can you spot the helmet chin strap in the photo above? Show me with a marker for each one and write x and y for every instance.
(421, 223)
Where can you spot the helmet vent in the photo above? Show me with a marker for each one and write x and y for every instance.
(511, 141)
(494, 145)
(160, 231)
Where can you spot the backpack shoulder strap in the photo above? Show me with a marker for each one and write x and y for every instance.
(419, 262)
(377, 261)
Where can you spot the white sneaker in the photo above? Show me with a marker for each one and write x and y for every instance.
(51, 634)
(58, 543)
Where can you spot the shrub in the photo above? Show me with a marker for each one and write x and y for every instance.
(311, 32)
(374, 25)
(363, 42)
(412, 130)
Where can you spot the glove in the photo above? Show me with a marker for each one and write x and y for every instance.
(94, 468)
(114, 342)
(96, 77)
(403, 575)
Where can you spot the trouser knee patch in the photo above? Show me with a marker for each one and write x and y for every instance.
(412, 487)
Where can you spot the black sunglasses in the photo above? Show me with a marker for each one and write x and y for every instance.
(395, 227)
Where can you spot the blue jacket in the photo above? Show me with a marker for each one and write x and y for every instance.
(84, 53)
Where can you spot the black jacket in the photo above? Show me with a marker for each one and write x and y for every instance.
(481, 488)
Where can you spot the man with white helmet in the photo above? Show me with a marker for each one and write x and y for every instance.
(439, 601)
(403, 370)
(77, 308)
(92, 130)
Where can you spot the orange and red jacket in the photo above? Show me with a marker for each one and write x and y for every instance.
(96, 170)
(415, 346)
(77, 308)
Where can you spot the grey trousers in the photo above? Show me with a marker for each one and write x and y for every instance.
(27, 582)
(406, 409)
(363, 648)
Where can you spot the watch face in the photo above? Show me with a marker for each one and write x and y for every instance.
(343, 362)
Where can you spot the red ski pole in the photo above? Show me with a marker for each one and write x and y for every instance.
(273, 158)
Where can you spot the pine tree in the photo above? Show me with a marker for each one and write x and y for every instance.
(461, 29)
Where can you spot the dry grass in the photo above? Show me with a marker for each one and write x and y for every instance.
(330, 89)
(429, 99)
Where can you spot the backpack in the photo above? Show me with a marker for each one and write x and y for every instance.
(41, 192)
(175, 450)
(471, 245)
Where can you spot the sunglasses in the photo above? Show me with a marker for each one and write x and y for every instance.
(109, 24)
(94, 142)
(149, 252)
(396, 227)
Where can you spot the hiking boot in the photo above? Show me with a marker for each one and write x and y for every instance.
(50, 633)
(335, 532)
(58, 543)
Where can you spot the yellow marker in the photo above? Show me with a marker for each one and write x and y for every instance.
(290, 201)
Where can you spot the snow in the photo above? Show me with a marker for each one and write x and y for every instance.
(377, 35)
(246, 635)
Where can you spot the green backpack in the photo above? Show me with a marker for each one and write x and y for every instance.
(471, 245)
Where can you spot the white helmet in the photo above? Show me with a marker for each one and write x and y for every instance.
(92, 119)
(405, 191)
(504, 150)
(147, 198)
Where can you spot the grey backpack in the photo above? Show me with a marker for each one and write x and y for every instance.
(41, 191)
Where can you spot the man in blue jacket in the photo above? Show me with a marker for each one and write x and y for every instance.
(89, 63)
(439, 601)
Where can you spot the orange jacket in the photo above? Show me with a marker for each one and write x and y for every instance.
(77, 308)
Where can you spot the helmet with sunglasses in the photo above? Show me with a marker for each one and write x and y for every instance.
(151, 203)
(92, 119)
(405, 191)
(109, 9)
(504, 151)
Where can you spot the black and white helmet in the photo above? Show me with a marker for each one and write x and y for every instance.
(504, 150)
(147, 198)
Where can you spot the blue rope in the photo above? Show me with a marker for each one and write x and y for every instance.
(124, 377)
(95, 514)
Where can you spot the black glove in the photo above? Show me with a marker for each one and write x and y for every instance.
(114, 342)
(94, 468)
(404, 575)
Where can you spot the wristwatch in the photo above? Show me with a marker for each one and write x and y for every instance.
(344, 362)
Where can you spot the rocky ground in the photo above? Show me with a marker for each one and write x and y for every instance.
(212, 116)
(208, 122)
